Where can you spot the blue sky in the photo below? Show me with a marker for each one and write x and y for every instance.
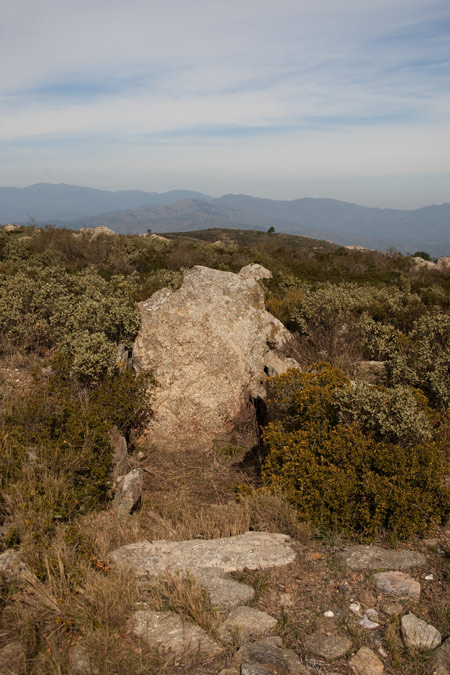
(275, 98)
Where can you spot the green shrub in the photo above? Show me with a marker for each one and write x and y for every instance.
(423, 359)
(44, 306)
(55, 460)
(354, 478)
(395, 415)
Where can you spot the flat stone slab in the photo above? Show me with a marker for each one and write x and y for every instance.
(375, 557)
(252, 550)
(417, 634)
(328, 647)
(397, 583)
(244, 624)
(168, 631)
(366, 662)
(267, 656)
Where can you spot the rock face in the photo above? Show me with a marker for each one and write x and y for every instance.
(207, 344)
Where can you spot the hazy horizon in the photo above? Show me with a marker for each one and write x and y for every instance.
(276, 99)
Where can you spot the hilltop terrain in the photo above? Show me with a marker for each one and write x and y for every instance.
(222, 451)
(134, 211)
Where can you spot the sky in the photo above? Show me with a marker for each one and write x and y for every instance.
(274, 98)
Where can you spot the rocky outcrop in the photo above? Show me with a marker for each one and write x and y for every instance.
(210, 561)
(252, 550)
(208, 345)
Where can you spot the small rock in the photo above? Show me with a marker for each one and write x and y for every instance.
(429, 577)
(372, 614)
(120, 453)
(392, 608)
(431, 542)
(128, 492)
(397, 583)
(225, 593)
(418, 634)
(286, 599)
(375, 557)
(174, 634)
(80, 662)
(267, 653)
(328, 647)
(329, 614)
(13, 568)
(12, 659)
(244, 624)
(366, 662)
(441, 662)
(368, 624)
(355, 607)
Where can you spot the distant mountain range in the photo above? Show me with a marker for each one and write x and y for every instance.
(135, 211)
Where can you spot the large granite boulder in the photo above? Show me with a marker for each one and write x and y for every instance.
(209, 345)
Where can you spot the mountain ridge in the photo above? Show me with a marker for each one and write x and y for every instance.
(135, 211)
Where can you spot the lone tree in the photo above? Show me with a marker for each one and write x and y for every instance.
(271, 229)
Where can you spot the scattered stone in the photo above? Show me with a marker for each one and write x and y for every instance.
(375, 557)
(170, 632)
(368, 624)
(208, 338)
(418, 634)
(225, 593)
(267, 653)
(366, 662)
(80, 662)
(441, 662)
(12, 659)
(286, 600)
(120, 453)
(429, 577)
(13, 568)
(329, 614)
(11, 228)
(355, 607)
(244, 624)
(431, 542)
(252, 550)
(328, 647)
(128, 492)
(397, 583)
(392, 608)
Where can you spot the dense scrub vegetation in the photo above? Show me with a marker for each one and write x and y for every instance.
(365, 457)
(358, 458)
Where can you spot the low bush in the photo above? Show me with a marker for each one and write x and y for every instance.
(356, 479)
(55, 461)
